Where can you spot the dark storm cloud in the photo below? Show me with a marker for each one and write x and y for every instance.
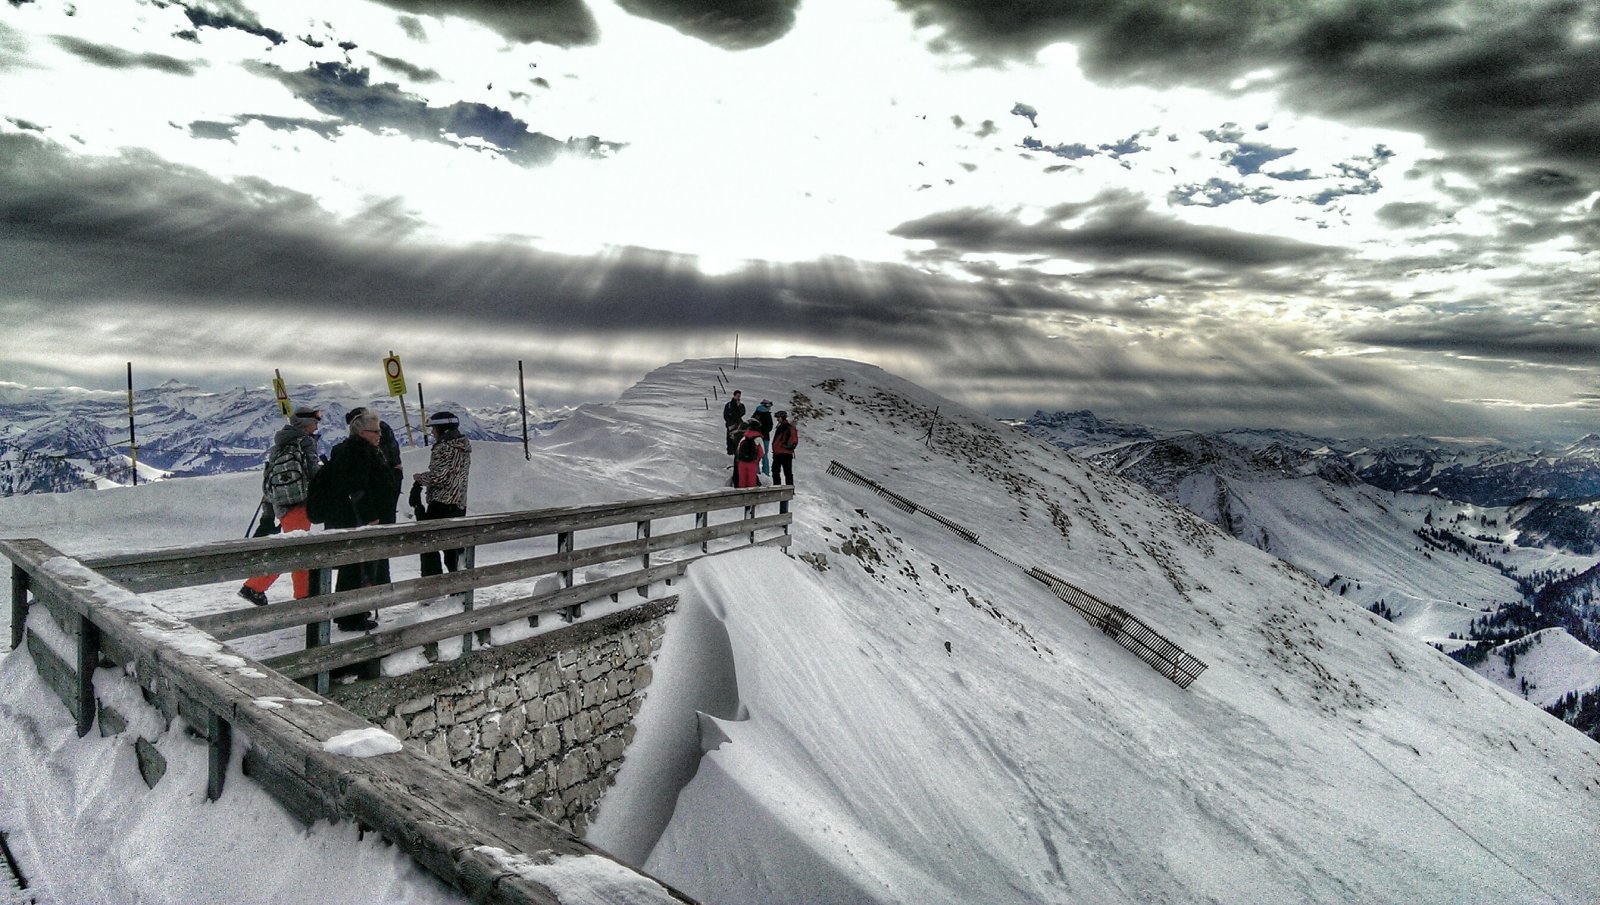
(236, 18)
(81, 233)
(1542, 186)
(1114, 227)
(348, 93)
(116, 58)
(410, 70)
(1468, 73)
(1404, 214)
(1490, 334)
(562, 23)
(730, 24)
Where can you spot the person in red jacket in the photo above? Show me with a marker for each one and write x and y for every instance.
(785, 437)
(747, 457)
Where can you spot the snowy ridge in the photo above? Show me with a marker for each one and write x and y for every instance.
(889, 717)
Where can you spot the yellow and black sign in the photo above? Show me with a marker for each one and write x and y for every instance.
(397, 377)
(282, 394)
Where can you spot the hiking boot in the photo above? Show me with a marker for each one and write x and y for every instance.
(365, 622)
(259, 598)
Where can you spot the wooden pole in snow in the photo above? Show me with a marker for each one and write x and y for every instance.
(522, 393)
(133, 442)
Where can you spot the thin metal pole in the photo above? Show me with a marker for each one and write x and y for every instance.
(422, 412)
(133, 442)
(522, 393)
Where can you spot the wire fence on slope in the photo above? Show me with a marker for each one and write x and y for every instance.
(1128, 630)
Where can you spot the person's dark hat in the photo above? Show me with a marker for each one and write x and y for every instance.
(443, 419)
(780, 414)
(351, 415)
(304, 412)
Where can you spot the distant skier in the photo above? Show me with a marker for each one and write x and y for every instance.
(449, 466)
(285, 483)
(785, 437)
(733, 420)
(747, 456)
(763, 417)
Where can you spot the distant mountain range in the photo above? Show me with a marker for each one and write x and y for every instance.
(1482, 549)
(60, 439)
(1551, 492)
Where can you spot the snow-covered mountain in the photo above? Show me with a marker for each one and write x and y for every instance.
(895, 714)
(1441, 569)
(57, 439)
(1481, 471)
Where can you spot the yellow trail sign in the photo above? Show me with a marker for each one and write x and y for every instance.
(282, 393)
(397, 377)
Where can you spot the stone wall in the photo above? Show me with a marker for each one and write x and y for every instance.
(545, 721)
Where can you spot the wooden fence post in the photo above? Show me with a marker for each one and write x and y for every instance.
(219, 736)
(88, 661)
(318, 634)
(702, 519)
(643, 533)
(564, 545)
(750, 514)
(19, 605)
(469, 558)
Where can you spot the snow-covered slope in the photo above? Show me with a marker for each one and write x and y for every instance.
(896, 715)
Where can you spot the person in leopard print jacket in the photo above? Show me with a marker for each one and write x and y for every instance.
(446, 483)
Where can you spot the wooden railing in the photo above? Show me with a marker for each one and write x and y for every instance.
(462, 832)
(650, 547)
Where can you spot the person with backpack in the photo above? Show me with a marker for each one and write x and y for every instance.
(763, 417)
(747, 456)
(285, 483)
(449, 465)
(353, 490)
(733, 421)
(785, 437)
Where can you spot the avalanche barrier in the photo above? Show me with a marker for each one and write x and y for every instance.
(1126, 629)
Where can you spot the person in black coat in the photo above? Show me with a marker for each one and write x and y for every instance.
(733, 421)
(362, 480)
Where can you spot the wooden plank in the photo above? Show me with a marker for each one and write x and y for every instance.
(56, 673)
(234, 559)
(257, 620)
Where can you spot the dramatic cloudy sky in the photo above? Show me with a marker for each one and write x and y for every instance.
(1343, 216)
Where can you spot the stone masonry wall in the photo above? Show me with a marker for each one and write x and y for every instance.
(544, 721)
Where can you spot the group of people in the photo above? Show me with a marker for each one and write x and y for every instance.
(358, 484)
(762, 445)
